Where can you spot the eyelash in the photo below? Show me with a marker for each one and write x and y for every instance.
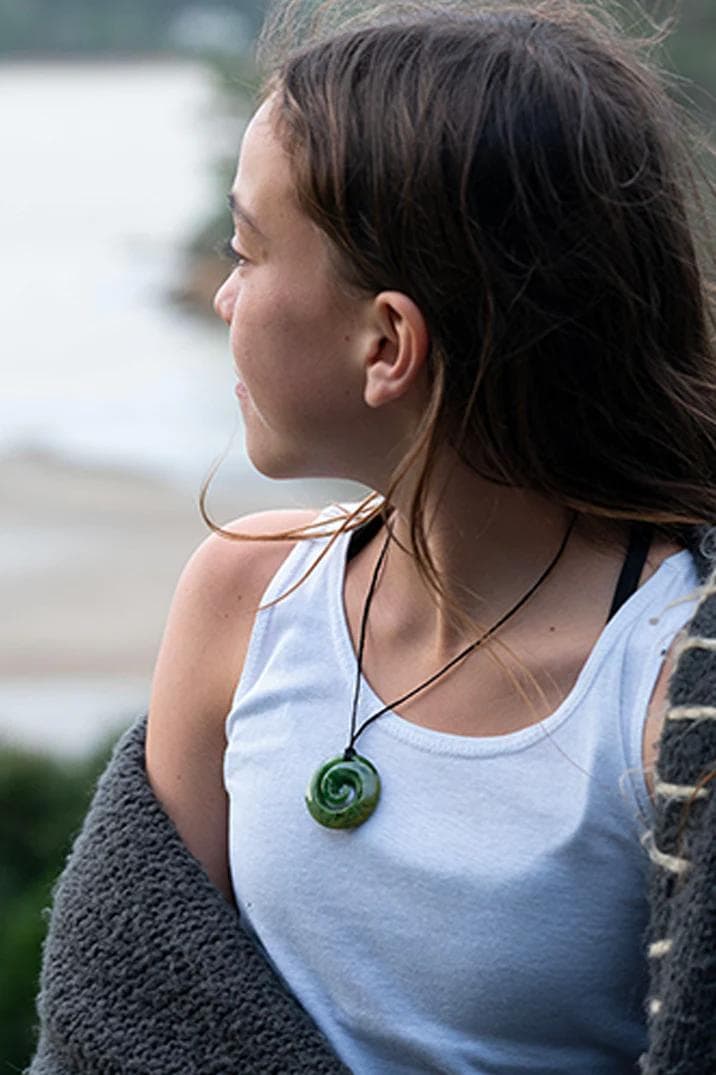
(231, 253)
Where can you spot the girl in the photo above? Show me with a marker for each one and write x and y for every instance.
(466, 277)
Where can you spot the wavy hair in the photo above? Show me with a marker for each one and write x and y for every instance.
(525, 177)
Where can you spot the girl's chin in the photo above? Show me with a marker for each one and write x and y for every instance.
(273, 463)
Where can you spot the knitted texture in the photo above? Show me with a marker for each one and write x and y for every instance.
(146, 967)
(682, 934)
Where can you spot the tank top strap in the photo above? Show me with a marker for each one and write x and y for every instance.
(317, 569)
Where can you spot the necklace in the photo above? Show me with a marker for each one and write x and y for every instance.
(344, 791)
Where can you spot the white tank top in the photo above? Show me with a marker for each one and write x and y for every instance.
(489, 916)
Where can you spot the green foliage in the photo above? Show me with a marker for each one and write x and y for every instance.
(42, 803)
(92, 26)
(236, 84)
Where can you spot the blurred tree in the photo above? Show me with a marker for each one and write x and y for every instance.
(691, 51)
(42, 803)
(236, 83)
(41, 27)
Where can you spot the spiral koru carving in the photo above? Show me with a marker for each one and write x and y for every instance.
(343, 792)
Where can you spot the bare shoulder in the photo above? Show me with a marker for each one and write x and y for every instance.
(214, 605)
(227, 577)
(199, 663)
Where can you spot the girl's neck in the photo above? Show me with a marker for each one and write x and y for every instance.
(489, 544)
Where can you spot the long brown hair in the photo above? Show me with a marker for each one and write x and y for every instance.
(521, 173)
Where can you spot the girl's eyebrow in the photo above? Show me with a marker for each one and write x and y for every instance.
(241, 214)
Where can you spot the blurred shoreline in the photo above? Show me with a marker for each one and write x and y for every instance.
(91, 555)
(85, 549)
(90, 559)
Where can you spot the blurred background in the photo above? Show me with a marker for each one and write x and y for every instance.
(119, 126)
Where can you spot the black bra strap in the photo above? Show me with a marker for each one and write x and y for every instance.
(362, 535)
(640, 538)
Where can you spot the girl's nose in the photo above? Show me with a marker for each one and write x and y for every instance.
(224, 300)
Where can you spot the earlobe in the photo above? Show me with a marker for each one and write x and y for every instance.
(399, 349)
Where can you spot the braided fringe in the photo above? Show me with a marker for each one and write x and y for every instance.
(675, 865)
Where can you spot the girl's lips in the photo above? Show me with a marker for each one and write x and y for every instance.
(240, 390)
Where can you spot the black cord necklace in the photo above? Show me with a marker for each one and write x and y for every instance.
(344, 791)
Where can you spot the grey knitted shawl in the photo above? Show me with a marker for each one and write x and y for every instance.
(682, 932)
(147, 970)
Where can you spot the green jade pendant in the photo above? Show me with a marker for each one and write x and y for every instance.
(344, 792)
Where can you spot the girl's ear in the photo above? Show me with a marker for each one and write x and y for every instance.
(399, 349)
